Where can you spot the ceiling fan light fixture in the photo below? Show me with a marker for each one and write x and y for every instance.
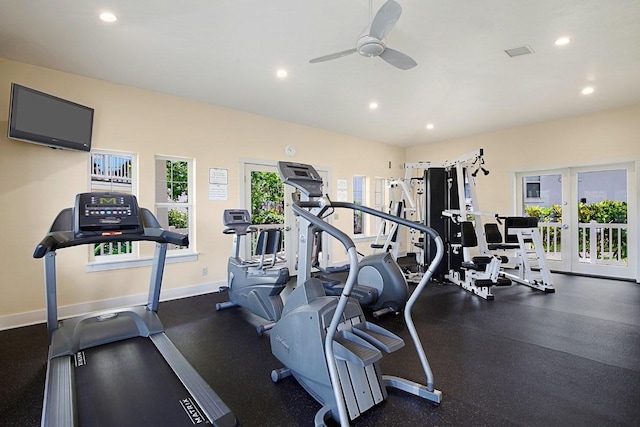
(370, 46)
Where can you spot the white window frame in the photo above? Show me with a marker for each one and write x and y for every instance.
(189, 204)
(380, 190)
(364, 231)
(109, 171)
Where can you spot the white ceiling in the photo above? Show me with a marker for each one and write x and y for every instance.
(227, 52)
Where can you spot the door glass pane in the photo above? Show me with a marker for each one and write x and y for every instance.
(267, 203)
(602, 217)
(543, 200)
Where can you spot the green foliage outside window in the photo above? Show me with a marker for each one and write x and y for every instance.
(178, 219)
(605, 212)
(178, 191)
(177, 180)
(267, 198)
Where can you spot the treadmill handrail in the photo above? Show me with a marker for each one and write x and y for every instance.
(61, 234)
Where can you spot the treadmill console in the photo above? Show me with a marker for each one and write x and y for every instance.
(107, 214)
(301, 176)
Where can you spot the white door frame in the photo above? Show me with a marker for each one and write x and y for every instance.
(290, 220)
(569, 262)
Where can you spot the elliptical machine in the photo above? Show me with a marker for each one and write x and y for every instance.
(381, 285)
(254, 285)
(325, 342)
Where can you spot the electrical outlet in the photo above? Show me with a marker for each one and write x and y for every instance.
(336, 216)
(205, 271)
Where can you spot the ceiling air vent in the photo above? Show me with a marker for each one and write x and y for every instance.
(519, 51)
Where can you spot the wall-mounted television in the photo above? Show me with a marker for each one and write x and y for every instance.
(45, 119)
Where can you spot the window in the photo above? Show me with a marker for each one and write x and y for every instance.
(113, 172)
(379, 187)
(359, 188)
(174, 195)
(532, 187)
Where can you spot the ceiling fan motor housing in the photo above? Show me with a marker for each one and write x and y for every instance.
(370, 46)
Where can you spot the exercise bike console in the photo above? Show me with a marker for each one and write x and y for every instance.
(237, 221)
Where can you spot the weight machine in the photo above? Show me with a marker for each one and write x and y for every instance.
(451, 208)
(408, 207)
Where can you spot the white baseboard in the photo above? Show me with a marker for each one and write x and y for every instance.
(40, 316)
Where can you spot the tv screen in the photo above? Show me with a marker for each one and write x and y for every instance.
(48, 120)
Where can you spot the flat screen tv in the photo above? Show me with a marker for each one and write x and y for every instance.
(48, 120)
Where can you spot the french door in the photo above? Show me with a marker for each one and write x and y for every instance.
(584, 217)
(267, 170)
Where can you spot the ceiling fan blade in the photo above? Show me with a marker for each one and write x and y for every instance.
(333, 56)
(385, 19)
(398, 59)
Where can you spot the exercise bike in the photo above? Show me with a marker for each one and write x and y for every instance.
(254, 284)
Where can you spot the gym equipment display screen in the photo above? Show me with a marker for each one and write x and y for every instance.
(107, 212)
(45, 119)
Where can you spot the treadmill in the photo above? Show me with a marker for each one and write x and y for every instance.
(118, 367)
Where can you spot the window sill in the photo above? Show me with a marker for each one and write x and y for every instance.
(140, 262)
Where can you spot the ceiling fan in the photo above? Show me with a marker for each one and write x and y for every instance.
(371, 41)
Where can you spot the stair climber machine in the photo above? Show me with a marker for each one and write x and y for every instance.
(117, 367)
(325, 342)
(254, 285)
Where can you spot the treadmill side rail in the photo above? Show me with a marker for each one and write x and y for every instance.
(58, 394)
(215, 409)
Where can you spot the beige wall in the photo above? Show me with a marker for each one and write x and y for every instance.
(36, 182)
(606, 137)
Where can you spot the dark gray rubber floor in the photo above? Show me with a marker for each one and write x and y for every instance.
(571, 358)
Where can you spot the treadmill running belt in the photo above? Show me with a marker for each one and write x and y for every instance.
(128, 383)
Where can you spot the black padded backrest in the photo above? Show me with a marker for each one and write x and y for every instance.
(269, 242)
(468, 237)
(492, 233)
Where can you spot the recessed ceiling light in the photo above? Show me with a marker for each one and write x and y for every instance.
(588, 90)
(373, 105)
(562, 41)
(282, 73)
(108, 17)
(430, 126)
